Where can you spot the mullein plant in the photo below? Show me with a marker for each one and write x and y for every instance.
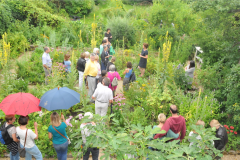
(93, 41)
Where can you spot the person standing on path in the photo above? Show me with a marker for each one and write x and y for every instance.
(103, 96)
(12, 147)
(99, 69)
(127, 73)
(91, 72)
(67, 63)
(23, 132)
(111, 62)
(176, 123)
(143, 60)
(104, 58)
(47, 63)
(101, 46)
(81, 68)
(57, 132)
(86, 133)
(111, 75)
(108, 35)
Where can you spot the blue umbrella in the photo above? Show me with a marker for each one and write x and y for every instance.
(59, 98)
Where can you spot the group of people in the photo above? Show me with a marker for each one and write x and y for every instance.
(23, 137)
(174, 126)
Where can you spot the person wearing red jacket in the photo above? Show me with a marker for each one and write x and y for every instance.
(176, 123)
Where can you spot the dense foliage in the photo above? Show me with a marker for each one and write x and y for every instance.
(172, 28)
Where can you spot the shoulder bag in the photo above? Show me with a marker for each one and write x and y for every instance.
(22, 151)
(69, 142)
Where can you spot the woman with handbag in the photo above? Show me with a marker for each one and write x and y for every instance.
(27, 146)
(57, 131)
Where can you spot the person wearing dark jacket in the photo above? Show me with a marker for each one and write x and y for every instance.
(111, 62)
(176, 123)
(220, 133)
(108, 34)
(104, 58)
(81, 67)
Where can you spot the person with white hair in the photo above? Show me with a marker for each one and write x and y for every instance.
(86, 131)
(112, 74)
(91, 72)
(103, 96)
(87, 55)
(96, 51)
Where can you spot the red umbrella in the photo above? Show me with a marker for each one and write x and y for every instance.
(20, 104)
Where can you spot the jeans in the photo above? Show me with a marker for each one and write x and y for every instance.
(61, 150)
(103, 67)
(16, 157)
(94, 151)
(34, 151)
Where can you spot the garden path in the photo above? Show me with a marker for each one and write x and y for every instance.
(23, 57)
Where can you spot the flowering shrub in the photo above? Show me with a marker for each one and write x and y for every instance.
(233, 141)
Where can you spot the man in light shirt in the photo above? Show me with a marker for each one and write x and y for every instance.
(47, 63)
(91, 72)
(103, 96)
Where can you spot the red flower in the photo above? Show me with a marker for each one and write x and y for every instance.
(231, 127)
(235, 132)
(226, 126)
(231, 131)
(227, 132)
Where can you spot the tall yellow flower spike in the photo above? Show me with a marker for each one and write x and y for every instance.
(166, 49)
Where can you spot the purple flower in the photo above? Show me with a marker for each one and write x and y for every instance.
(123, 103)
(116, 108)
(119, 104)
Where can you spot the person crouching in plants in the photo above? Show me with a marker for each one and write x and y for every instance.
(67, 62)
(130, 156)
(192, 133)
(221, 133)
(170, 133)
(86, 133)
(57, 131)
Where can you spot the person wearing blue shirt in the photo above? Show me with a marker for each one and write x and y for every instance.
(57, 132)
(127, 73)
(67, 62)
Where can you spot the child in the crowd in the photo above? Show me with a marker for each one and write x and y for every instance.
(67, 62)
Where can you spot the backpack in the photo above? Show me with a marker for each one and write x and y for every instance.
(4, 136)
(132, 77)
(115, 81)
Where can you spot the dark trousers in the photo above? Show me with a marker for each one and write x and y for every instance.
(94, 151)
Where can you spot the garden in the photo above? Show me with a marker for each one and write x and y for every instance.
(172, 28)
